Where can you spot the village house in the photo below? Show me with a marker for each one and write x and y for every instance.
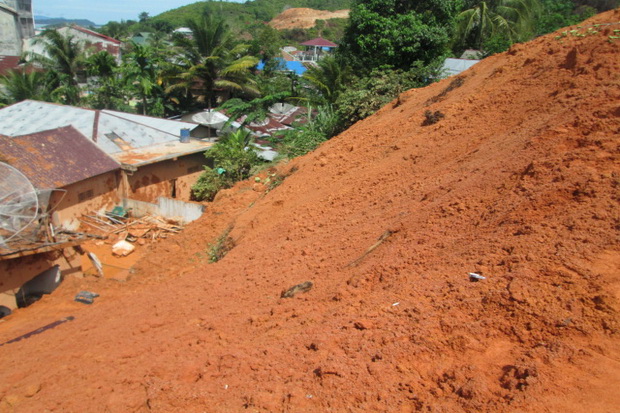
(85, 37)
(70, 175)
(157, 157)
(88, 162)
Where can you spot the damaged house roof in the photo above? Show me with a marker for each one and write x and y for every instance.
(55, 158)
(128, 138)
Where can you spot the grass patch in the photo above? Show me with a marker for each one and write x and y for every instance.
(222, 245)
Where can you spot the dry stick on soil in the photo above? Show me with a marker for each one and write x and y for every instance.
(382, 238)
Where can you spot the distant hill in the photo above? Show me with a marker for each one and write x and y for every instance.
(241, 15)
(304, 18)
(43, 20)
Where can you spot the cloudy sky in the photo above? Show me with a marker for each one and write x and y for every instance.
(102, 11)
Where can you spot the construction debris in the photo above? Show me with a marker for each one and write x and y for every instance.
(132, 229)
(122, 248)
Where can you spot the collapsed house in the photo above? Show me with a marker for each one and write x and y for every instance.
(48, 177)
(157, 157)
(88, 162)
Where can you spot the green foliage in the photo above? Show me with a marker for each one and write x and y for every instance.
(222, 245)
(207, 185)
(210, 62)
(332, 29)
(368, 94)
(560, 13)
(232, 154)
(308, 137)
(329, 77)
(241, 16)
(255, 110)
(396, 34)
(16, 86)
(502, 20)
(64, 61)
(141, 71)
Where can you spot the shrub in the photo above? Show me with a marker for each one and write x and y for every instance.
(207, 185)
(233, 160)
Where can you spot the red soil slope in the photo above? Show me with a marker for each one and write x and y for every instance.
(304, 18)
(519, 181)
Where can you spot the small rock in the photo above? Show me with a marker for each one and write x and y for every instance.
(32, 389)
(299, 288)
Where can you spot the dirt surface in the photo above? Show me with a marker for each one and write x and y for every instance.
(518, 181)
(304, 18)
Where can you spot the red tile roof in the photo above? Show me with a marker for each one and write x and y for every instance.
(320, 42)
(55, 158)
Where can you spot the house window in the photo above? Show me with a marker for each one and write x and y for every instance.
(86, 195)
(193, 169)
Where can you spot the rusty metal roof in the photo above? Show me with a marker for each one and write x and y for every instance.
(55, 158)
(8, 63)
(116, 133)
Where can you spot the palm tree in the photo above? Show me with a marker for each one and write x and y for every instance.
(329, 77)
(18, 85)
(141, 69)
(64, 58)
(255, 110)
(513, 19)
(105, 85)
(213, 63)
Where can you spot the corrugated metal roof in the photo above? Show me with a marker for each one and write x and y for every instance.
(116, 132)
(30, 116)
(56, 158)
(453, 66)
(157, 153)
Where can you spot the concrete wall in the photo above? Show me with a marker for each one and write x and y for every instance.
(68, 207)
(10, 38)
(166, 207)
(15, 272)
(170, 179)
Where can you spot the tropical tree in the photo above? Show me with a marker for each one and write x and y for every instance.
(396, 33)
(117, 30)
(214, 63)
(106, 88)
(255, 110)
(142, 71)
(64, 58)
(514, 20)
(18, 85)
(329, 77)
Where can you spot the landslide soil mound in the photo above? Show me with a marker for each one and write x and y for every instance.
(517, 179)
(304, 18)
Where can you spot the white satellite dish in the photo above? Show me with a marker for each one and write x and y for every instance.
(19, 203)
(212, 119)
(281, 108)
